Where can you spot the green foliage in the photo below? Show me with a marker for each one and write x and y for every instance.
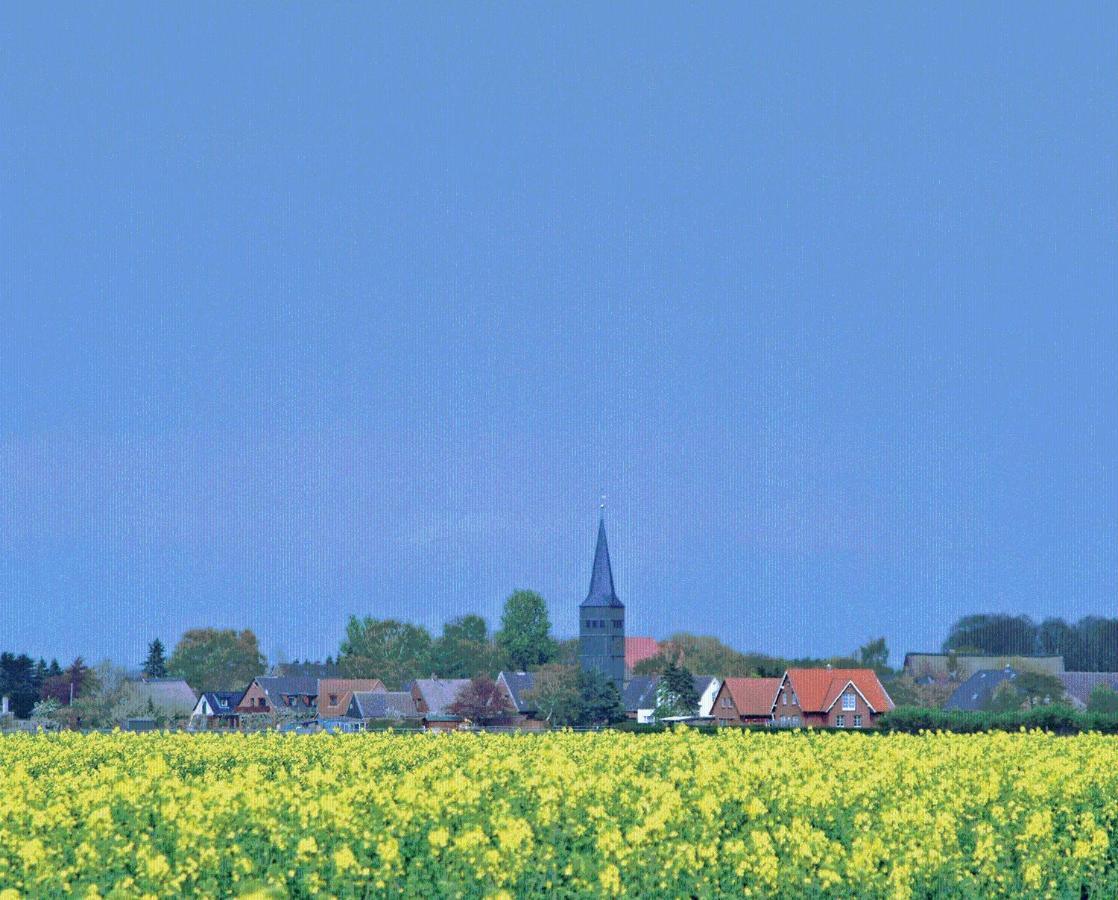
(555, 694)
(395, 652)
(525, 638)
(1090, 645)
(600, 699)
(155, 666)
(211, 659)
(20, 681)
(1055, 717)
(464, 649)
(1103, 700)
(566, 695)
(874, 655)
(709, 656)
(675, 693)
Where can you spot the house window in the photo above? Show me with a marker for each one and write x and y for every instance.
(784, 698)
(795, 721)
(727, 702)
(616, 623)
(857, 721)
(333, 699)
(840, 721)
(260, 701)
(848, 700)
(795, 702)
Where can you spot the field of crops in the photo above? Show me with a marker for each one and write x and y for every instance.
(570, 814)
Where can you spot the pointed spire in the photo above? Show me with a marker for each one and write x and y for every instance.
(601, 592)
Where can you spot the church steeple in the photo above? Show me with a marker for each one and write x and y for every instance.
(601, 592)
(601, 619)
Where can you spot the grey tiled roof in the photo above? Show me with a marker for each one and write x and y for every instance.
(519, 684)
(172, 695)
(288, 684)
(223, 702)
(601, 577)
(639, 691)
(1080, 684)
(975, 693)
(384, 705)
(439, 693)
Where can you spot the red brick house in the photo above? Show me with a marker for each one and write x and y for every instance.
(290, 695)
(830, 698)
(746, 701)
(335, 694)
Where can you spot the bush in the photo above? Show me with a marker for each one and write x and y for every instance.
(1057, 718)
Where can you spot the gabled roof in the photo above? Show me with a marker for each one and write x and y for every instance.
(753, 696)
(639, 686)
(518, 685)
(601, 577)
(288, 686)
(439, 693)
(384, 705)
(1080, 684)
(172, 695)
(328, 686)
(638, 649)
(818, 689)
(640, 692)
(223, 703)
(974, 693)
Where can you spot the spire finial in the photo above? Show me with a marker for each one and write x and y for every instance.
(602, 505)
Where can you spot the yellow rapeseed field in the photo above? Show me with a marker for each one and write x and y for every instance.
(684, 814)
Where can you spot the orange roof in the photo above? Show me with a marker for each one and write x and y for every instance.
(753, 696)
(638, 648)
(818, 689)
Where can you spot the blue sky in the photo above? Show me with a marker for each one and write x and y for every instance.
(310, 311)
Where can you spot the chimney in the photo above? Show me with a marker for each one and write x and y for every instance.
(829, 667)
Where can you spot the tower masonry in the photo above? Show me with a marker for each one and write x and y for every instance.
(601, 621)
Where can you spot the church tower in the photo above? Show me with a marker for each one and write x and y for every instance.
(601, 623)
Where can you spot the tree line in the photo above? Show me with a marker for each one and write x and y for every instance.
(1089, 645)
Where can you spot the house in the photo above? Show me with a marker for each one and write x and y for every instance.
(962, 666)
(517, 688)
(433, 698)
(169, 698)
(1079, 685)
(638, 649)
(830, 698)
(295, 695)
(639, 697)
(746, 701)
(382, 706)
(975, 693)
(216, 709)
(334, 694)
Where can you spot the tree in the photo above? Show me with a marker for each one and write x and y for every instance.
(599, 699)
(709, 656)
(480, 701)
(875, 655)
(993, 634)
(209, 659)
(20, 681)
(525, 636)
(155, 666)
(675, 693)
(555, 694)
(395, 652)
(1039, 688)
(69, 685)
(464, 649)
(1103, 699)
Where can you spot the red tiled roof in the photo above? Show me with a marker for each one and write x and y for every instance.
(753, 696)
(638, 648)
(817, 689)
